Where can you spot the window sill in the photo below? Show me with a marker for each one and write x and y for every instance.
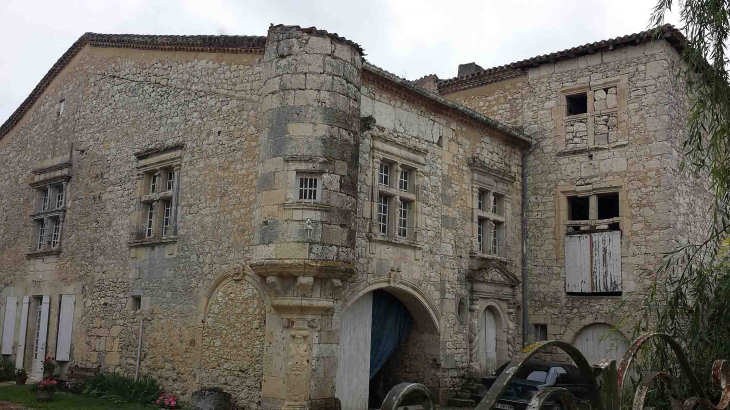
(43, 253)
(152, 241)
(150, 198)
(48, 212)
(489, 256)
(490, 216)
(397, 240)
(585, 150)
(306, 205)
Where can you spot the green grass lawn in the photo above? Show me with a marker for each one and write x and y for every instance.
(23, 396)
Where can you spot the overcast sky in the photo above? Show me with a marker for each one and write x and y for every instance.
(410, 38)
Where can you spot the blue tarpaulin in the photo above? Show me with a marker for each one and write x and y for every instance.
(391, 324)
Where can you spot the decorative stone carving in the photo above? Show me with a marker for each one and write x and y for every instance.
(305, 285)
(298, 369)
(473, 342)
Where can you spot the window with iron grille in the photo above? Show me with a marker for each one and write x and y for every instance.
(167, 217)
(60, 196)
(384, 175)
(41, 234)
(383, 214)
(308, 188)
(56, 240)
(170, 180)
(150, 221)
(403, 214)
(403, 180)
(480, 234)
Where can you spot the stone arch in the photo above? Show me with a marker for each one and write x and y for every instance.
(578, 324)
(423, 310)
(501, 327)
(233, 326)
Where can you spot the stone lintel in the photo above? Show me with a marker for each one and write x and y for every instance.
(302, 306)
(302, 267)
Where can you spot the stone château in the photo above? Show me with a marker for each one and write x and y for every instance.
(262, 209)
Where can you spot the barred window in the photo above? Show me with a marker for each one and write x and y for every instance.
(170, 180)
(480, 234)
(403, 181)
(308, 188)
(150, 221)
(46, 199)
(153, 183)
(166, 219)
(384, 175)
(56, 233)
(403, 213)
(41, 234)
(383, 214)
(60, 197)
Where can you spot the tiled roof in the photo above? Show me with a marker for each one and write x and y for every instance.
(667, 32)
(220, 44)
(402, 82)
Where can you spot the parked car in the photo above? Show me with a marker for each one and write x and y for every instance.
(530, 380)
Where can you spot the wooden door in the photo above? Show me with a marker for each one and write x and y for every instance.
(599, 341)
(352, 384)
(40, 337)
(487, 343)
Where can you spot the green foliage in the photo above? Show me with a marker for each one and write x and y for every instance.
(21, 375)
(63, 401)
(117, 389)
(7, 370)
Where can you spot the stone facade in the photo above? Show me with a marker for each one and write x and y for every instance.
(232, 197)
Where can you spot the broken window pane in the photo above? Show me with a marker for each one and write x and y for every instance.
(578, 208)
(608, 206)
(576, 104)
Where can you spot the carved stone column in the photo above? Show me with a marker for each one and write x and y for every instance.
(474, 368)
(299, 375)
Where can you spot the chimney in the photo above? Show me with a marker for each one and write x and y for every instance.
(469, 68)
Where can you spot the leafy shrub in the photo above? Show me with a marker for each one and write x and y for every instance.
(21, 375)
(7, 370)
(117, 389)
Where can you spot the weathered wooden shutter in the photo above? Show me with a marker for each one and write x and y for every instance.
(606, 261)
(20, 355)
(11, 307)
(578, 263)
(593, 262)
(42, 336)
(487, 343)
(65, 327)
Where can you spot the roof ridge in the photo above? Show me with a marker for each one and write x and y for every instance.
(667, 30)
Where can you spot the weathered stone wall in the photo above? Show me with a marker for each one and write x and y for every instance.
(119, 102)
(634, 150)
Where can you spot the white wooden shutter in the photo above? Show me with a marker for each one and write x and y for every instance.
(65, 327)
(606, 261)
(20, 355)
(43, 335)
(11, 307)
(353, 371)
(577, 263)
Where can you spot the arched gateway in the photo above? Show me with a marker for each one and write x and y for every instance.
(379, 331)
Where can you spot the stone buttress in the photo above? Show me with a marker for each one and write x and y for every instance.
(305, 206)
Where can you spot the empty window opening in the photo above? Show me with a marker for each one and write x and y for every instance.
(61, 106)
(608, 206)
(383, 214)
(403, 214)
(578, 208)
(308, 189)
(540, 332)
(576, 104)
(136, 303)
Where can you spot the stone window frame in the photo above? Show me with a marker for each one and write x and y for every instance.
(560, 113)
(488, 183)
(47, 215)
(156, 166)
(398, 158)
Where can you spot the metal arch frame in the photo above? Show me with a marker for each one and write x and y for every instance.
(612, 385)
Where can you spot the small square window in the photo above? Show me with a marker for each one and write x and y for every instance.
(578, 208)
(540, 330)
(576, 104)
(608, 206)
(135, 303)
(384, 175)
(309, 188)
